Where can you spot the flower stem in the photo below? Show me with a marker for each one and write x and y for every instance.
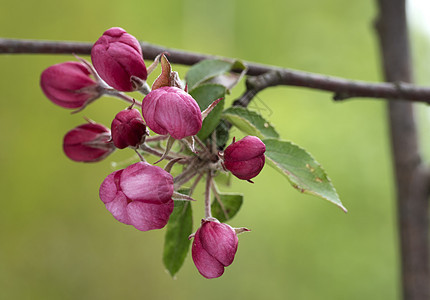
(140, 155)
(195, 183)
(205, 149)
(218, 199)
(115, 93)
(208, 213)
(155, 152)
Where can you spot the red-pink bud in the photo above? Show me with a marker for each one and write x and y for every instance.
(214, 247)
(145, 182)
(143, 215)
(170, 110)
(245, 158)
(117, 56)
(128, 129)
(68, 84)
(88, 143)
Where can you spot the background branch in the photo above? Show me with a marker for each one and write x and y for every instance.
(266, 76)
(412, 179)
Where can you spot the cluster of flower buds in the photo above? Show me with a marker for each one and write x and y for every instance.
(142, 194)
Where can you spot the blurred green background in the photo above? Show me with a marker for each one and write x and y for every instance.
(57, 240)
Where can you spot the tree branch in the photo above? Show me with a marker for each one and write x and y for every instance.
(265, 76)
(412, 176)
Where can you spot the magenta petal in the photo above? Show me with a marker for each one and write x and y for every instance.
(88, 143)
(148, 216)
(118, 208)
(62, 84)
(149, 108)
(128, 128)
(245, 149)
(220, 241)
(117, 56)
(110, 187)
(171, 110)
(144, 182)
(246, 169)
(179, 114)
(111, 195)
(207, 265)
(245, 158)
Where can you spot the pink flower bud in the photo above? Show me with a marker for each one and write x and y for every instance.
(245, 158)
(88, 143)
(214, 247)
(117, 56)
(140, 195)
(128, 129)
(170, 110)
(145, 182)
(68, 84)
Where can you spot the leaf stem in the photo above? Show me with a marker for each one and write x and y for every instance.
(116, 94)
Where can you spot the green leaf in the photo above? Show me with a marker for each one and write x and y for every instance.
(176, 243)
(223, 178)
(204, 95)
(222, 134)
(230, 205)
(301, 169)
(250, 122)
(230, 79)
(205, 70)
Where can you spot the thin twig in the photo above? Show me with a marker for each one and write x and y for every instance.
(342, 88)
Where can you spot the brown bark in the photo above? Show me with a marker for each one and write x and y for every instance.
(412, 179)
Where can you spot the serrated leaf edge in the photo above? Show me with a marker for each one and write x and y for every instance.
(295, 185)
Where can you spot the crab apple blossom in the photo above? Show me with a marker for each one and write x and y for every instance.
(69, 84)
(128, 129)
(88, 143)
(170, 110)
(147, 183)
(117, 56)
(139, 195)
(245, 158)
(214, 247)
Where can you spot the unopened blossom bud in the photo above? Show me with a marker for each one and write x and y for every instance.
(170, 110)
(117, 56)
(245, 158)
(214, 247)
(128, 129)
(139, 195)
(68, 84)
(88, 143)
